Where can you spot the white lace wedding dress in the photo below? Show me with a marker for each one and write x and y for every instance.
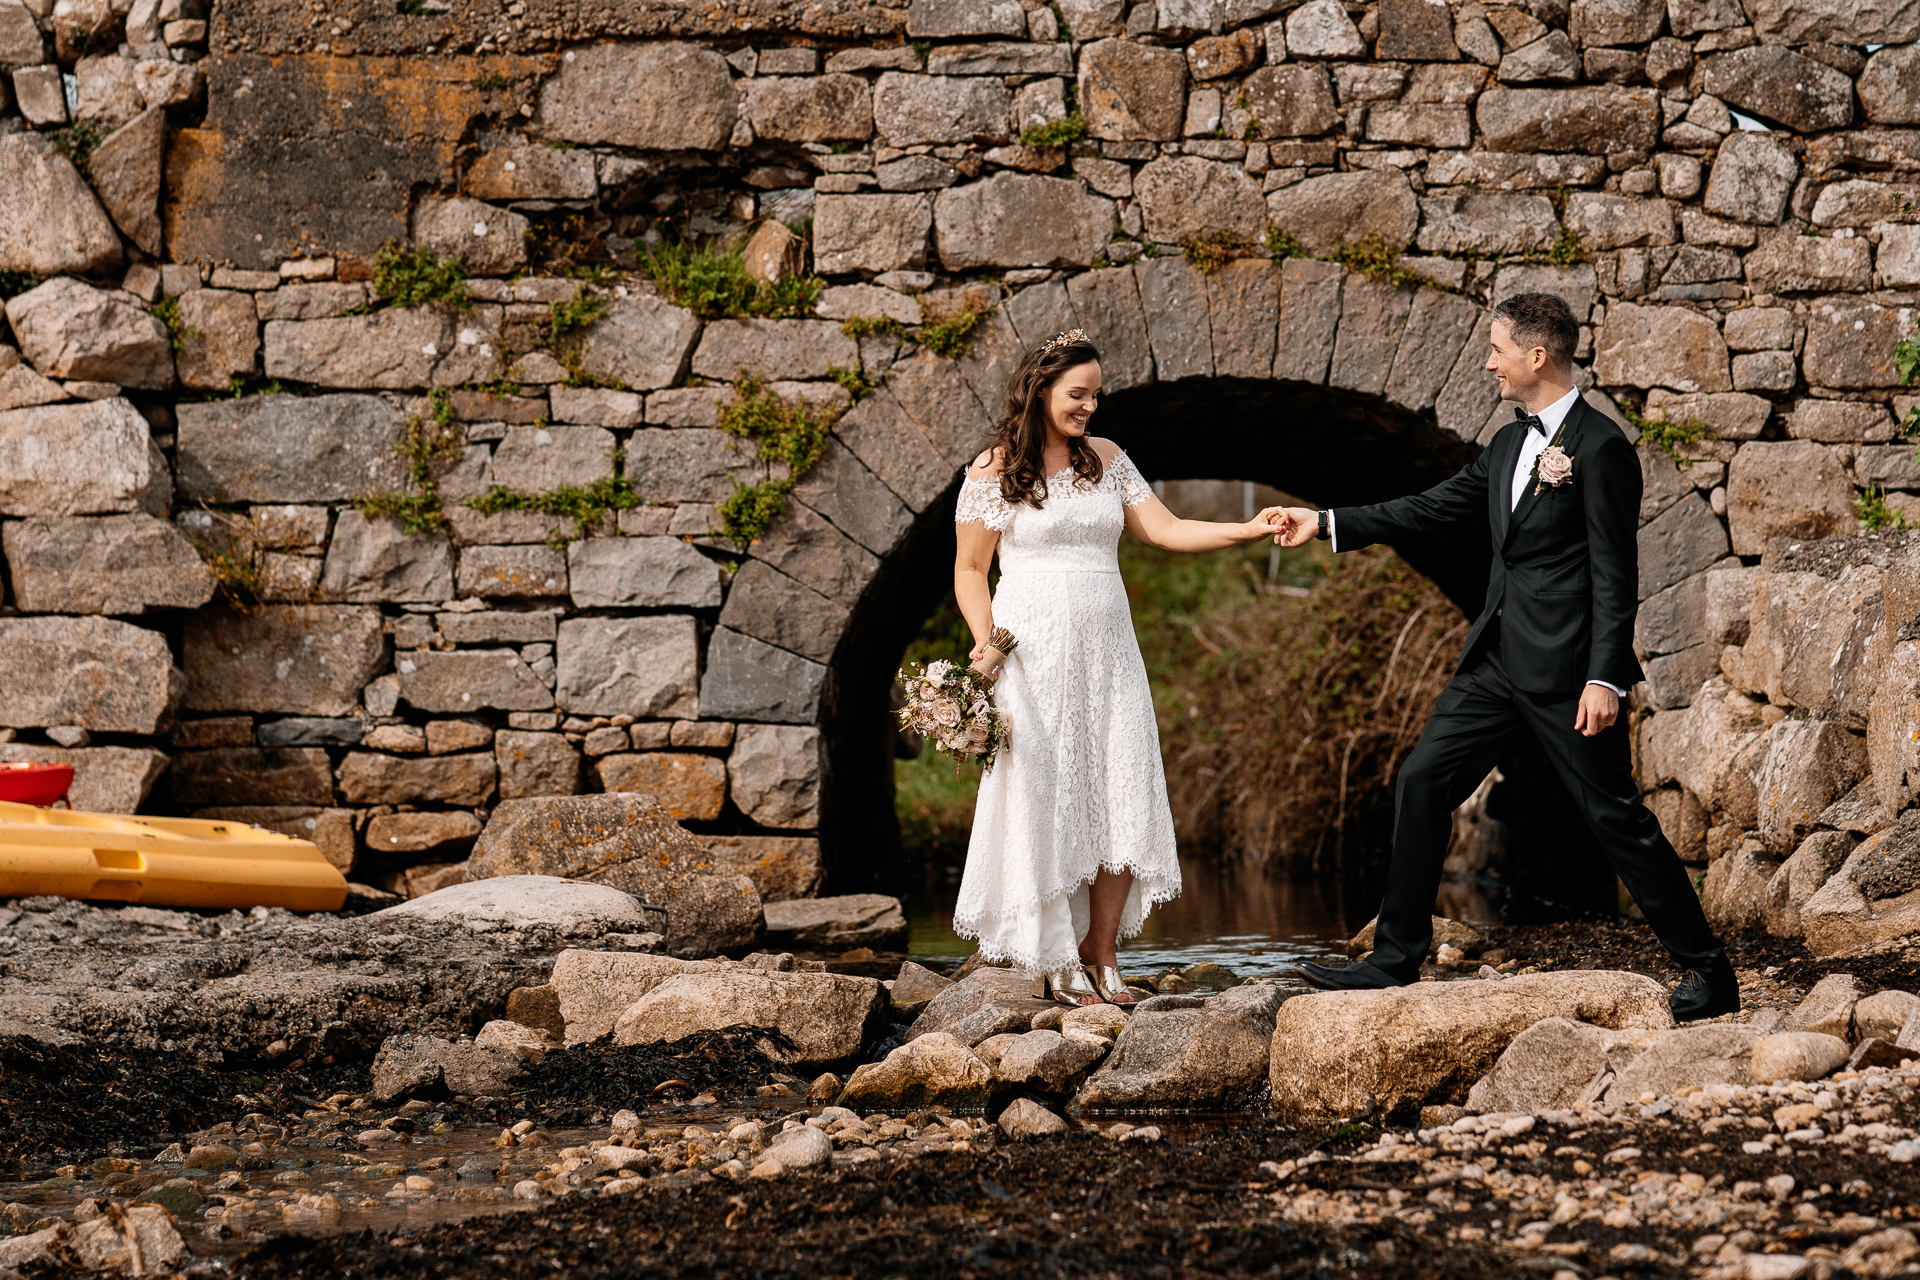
(1080, 787)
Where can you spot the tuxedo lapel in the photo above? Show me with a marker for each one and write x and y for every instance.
(1500, 478)
(1530, 496)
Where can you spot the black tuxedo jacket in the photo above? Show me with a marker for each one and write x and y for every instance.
(1565, 579)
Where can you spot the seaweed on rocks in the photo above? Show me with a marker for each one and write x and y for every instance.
(566, 1086)
(86, 1100)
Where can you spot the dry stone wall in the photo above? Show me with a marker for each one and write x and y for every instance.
(198, 375)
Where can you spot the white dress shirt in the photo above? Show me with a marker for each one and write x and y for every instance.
(1532, 445)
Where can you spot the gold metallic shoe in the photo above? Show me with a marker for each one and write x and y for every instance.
(1112, 987)
(1070, 986)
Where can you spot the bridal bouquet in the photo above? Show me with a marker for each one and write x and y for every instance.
(953, 705)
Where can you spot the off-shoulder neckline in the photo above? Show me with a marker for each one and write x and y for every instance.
(1117, 455)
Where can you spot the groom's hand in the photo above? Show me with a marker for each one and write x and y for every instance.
(1599, 708)
(1297, 527)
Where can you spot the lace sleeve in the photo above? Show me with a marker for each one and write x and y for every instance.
(981, 503)
(1134, 489)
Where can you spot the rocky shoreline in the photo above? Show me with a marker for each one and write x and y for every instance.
(951, 1152)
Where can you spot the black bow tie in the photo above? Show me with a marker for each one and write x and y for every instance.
(1529, 420)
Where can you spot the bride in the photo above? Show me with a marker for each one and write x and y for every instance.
(1072, 840)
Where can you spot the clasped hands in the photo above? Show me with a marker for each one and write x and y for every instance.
(1288, 526)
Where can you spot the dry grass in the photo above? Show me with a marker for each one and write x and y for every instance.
(1283, 728)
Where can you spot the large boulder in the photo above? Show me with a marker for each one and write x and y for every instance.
(1874, 896)
(986, 1002)
(853, 920)
(628, 842)
(1213, 1058)
(426, 1066)
(1345, 1052)
(1555, 1063)
(1797, 1055)
(1883, 1015)
(1715, 1053)
(934, 1070)
(816, 1018)
(573, 909)
(591, 989)
(1046, 1060)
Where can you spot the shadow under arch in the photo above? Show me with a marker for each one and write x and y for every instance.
(1328, 446)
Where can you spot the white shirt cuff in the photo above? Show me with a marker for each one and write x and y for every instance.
(1333, 530)
(1617, 691)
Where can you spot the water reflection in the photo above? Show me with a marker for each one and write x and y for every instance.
(1241, 919)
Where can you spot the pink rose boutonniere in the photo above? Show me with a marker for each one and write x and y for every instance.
(1553, 469)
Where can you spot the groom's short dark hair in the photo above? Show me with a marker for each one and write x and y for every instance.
(1541, 320)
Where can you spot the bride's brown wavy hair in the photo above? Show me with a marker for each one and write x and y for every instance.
(1020, 436)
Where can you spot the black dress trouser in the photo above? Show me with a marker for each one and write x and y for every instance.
(1480, 718)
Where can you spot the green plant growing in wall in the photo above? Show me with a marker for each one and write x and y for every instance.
(1210, 250)
(585, 504)
(1283, 244)
(712, 282)
(947, 333)
(428, 442)
(1874, 511)
(1056, 133)
(1906, 365)
(179, 332)
(858, 385)
(1375, 258)
(787, 434)
(857, 327)
(78, 141)
(415, 277)
(1566, 250)
(1664, 435)
(567, 323)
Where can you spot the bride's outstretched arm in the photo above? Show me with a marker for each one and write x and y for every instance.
(1150, 522)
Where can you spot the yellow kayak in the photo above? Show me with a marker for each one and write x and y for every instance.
(162, 862)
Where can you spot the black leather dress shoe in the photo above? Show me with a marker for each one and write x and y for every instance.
(1363, 976)
(1706, 993)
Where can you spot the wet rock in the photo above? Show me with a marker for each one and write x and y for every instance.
(1132, 91)
(53, 225)
(641, 341)
(644, 667)
(1183, 196)
(933, 1070)
(109, 564)
(630, 843)
(854, 920)
(1798, 1055)
(916, 985)
(1714, 1053)
(1025, 1118)
(143, 1240)
(986, 997)
(72, 330)
(426, 1066)
(104, 676)
(1336, 1053)
(1777, 84)
(74, 459)
(1021, 220)
(797, 1150)
(1553, 1064)
(1336, 208)
(824, 1017)
(657, 96)
(1211, 1058)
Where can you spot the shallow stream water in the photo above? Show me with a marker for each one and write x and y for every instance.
(1243, 920)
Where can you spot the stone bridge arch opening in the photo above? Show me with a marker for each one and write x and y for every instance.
(1210, 376)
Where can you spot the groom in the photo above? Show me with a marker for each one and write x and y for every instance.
(1549, 657)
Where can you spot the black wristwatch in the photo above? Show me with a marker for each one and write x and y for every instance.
(1324, 532)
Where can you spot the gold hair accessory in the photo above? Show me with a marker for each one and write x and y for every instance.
(1062, 339)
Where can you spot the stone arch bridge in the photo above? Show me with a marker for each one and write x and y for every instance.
(198, 376)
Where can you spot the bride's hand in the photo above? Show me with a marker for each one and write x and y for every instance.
(1270, 523)
(983, 663)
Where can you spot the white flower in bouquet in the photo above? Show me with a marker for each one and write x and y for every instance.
(946, 711)
(937, 671)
